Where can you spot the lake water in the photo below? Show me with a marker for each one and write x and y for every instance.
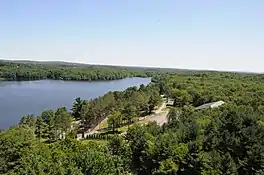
(32, 97)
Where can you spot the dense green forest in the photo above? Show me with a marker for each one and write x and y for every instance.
(62, 71)
(224, 140)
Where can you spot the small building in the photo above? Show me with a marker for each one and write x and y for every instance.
(211, 105)
(170, 102)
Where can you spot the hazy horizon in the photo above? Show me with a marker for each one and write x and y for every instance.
(204, 35)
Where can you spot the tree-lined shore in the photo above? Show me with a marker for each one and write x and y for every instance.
(10, 70)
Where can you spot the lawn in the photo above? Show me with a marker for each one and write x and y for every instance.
(124, 128)
(103, 124)
(99, 142)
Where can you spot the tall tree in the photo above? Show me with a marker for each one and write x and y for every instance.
(114, 120)
(154, 100)
(29, 120)
(77, 107)
(129, 112)
(62, 122)
(48, 120)
(40, 126)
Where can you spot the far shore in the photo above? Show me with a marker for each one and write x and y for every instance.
(6, 79)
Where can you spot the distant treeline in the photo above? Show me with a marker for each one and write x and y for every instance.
(36, 71)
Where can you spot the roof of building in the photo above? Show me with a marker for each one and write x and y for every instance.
(211, 105)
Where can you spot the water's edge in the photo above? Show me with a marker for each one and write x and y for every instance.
(19, 98)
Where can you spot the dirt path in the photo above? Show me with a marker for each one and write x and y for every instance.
(160, 116)
(161, 108)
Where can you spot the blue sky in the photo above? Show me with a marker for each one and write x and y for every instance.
(204, 34)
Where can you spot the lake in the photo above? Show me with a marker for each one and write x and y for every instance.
(32, 97)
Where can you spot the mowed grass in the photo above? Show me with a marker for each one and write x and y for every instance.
(99, 142)
(103, 124)
(124, 128)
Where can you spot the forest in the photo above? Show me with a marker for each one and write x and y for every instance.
(12, 70)
(224, 140)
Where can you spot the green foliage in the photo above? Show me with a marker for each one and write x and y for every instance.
(36, 71)
(29, 120)
(118, 146)
(223, 140)
(115, 120)
(130, 112)
(77, 108)
(167, 167)
(13, 142)
(173, 115)
(20, 154)
(129, 104)
(181, 97)
(48, 124)
(154, 100)
(51, 125)
(39, 127)
(62, 122)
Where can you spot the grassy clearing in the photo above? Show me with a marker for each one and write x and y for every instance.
(103, 124)
(100, 142)
(124, 128)
(43, 139)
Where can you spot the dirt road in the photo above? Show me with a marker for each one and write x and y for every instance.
(161, 108)
(160, 115)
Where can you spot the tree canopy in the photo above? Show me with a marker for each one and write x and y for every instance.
(225, 140)
(36, 70)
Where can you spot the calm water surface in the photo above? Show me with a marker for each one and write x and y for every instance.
(33, 97)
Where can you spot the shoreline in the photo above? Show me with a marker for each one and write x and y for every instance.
(98, 80)
(137, 81)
